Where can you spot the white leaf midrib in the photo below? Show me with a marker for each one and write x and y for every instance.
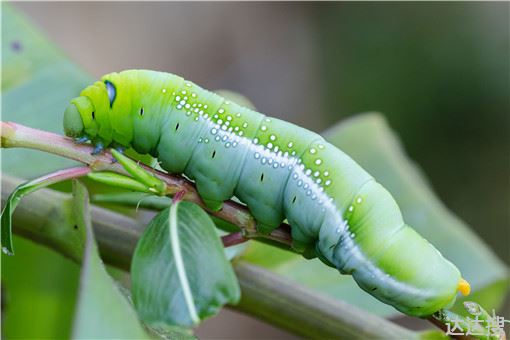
(179, 263)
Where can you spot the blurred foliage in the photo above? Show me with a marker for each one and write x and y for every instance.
(37, 279)
(439, 73)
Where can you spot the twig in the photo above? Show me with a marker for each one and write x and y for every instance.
(233, 239)
(19, 136)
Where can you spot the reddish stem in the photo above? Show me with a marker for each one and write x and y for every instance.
(233, 239)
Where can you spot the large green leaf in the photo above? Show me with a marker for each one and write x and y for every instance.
(179, 273)
(102, 311)
(368, 139)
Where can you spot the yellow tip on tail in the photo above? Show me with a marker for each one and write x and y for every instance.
(464, 287)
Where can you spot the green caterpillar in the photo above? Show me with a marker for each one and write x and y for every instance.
(337, 211)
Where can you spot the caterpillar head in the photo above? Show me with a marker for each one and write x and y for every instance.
(85, 113)
(73, 121)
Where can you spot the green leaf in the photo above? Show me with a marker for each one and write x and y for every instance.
(179, 273)
(139, 173)
(102, 311)
(25, 189)
(369, 140)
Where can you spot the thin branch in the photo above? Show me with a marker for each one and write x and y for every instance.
(19, 136)
(233, 239)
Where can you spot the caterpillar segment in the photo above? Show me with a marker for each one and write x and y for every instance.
(336, 210)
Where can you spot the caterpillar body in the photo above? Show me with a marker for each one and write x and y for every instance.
(337, 211)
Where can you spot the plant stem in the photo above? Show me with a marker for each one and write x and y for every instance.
(19, 136)
(233, 239)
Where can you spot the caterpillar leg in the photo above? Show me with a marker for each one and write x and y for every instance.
(82, 140)
(98, 148)
(264, 228)
(213, 205)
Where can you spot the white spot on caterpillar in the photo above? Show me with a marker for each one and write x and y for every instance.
(227, 123)
(227, 103)
(206, 140)
(238, 115)
(269, 145)
(214, 131)
(305, 186)
(318, 161)
(200, 140)
(229, 117)
(245, 125)
(187, 106)
(255, 140)
(308, 192)
(320, 146)
(183, 92)
(299, 183)
(316, 174)
(205, 106)
(318, 181)
(224, 127)
(178, 98)
(326, 173)
(267, 120)
(295, 175)
(338, 230)
(351, 208)
(221, 111)
(188, 84)
(270, 161)
(263, 128)
(194, 95)
(359, 200)
(164, 90)
(234, 144)
(327, 183)
(263, 160)
(182, 102)
(220, 121)
(275, 165)
(227, 144)
(256, 155)
(313, 151)
(308, 172)
(241, 133)
(272, 137)
(236, 128)
(225, 137)
(217, 138)
(290, 144)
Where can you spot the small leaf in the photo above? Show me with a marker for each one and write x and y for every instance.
(179, 273)
(102, 311)
(140, 173)
(119, 181)
(25, 189)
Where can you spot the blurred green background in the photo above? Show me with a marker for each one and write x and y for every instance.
(438, 71)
